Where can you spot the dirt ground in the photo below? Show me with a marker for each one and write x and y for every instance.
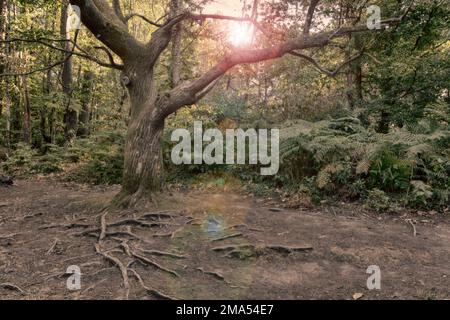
(211, 246)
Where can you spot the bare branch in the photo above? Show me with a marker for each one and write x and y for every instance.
(82, 54)
(320, 68)
(132, 15)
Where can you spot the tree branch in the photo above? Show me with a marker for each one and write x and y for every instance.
(186, 92)
(104, 23)
(84, 54)
(320, 68)
(132, 15)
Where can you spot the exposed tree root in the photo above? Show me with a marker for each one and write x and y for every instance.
(137, 223)
(103, 226)
(92, 286)
(164, 254)
(102, 232)
(168, 234)
(216, 275)
(289, 250)
(9, 236)
(147, 261)
(157, 294)
(245, 226)
(125, 200)
(235, 235)
(66, 226)
(159, 215)
(232, 247)
(119, 264)
(413, 227)
(11, 286)
(249, 250)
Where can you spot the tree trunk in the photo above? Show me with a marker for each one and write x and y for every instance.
(85, 114)
(70, 116)
(176, 45)
(357, 65)
(143, 163)
(26, 112)
(5, 98)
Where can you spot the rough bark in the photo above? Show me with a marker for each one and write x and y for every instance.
(70, 115)
(143, 167)
(177, 7)
(5, 96)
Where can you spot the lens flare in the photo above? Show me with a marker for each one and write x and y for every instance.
(240, 34)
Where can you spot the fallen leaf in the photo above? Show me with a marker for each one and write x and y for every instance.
(358, 296)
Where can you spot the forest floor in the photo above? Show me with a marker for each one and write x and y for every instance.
(212, 246)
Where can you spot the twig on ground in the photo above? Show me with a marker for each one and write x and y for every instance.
(413, 226)
(52, 248)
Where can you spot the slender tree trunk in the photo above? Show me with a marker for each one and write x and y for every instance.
(70, 116)
(176, 45)
(44, 114)
(85, 114)
(5, 97)
(357, 67)
(2, 55)
(26, 111)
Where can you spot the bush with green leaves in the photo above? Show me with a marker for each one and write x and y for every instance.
(347, 160)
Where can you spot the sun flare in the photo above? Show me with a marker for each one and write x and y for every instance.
(240, 34)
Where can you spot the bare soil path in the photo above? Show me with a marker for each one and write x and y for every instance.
(209, 246)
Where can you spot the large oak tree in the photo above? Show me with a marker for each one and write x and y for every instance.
(150, 106)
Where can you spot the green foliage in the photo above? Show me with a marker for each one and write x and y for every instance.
(351, 163)
(97, 160)
(378, 200)
(26, 161)
(102, 158)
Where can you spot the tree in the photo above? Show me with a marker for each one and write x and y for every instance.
(70, 115)
(143, 168)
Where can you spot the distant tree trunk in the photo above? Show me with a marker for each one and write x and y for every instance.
(26, 111)
(383, 124)
(70, 116)
(176, 45)
(5, 97)
(357, 67)
(46, 131)
(350, 77)
(2, 55)
(85, 114)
